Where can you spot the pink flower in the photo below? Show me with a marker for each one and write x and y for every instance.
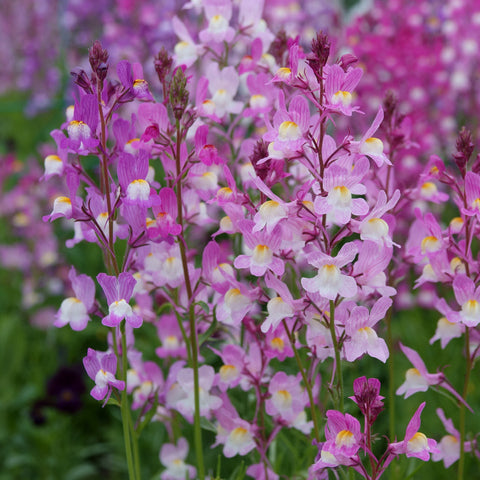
(185, 402)
(472, 194)
(263, 246)
(372, 147)
(340, 183)
(419, 380)
(118, 292)
(288, 399)
(101, 368)
(449, 445)
(75, 310)
(280, 306)
(415, 443)
(343, 440)
(132, 173)
(468, 297)
(330, 282)
(362, 338)
(339, 86)
(173, 458)
(237, 435)
(289, 127)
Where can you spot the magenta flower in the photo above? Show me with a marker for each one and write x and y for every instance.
(75, 310)
(132, 173)
(339, 86)
(415, 443)
(118, 292)
(472, 194)
(343, 440)
(367, 397)
(330, 282)
(131, 77)
(101, 368)
(164, 225)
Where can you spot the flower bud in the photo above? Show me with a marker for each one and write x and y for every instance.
(98, 58)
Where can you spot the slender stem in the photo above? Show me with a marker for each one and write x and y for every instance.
(305, 380)
(125, 409)
(105, 176)
(338, 361)
(191, 314)
(391, 377)
(461, 461)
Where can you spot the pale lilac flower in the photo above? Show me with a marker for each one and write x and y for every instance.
(330, 282)
(287, 398)
(173, 458)
(257, 471)
(101, 367)
(230, 373)
(362, 337)
(468, 297)
(75, 310)
(263, 246)
(373, 227)
(280, 306)
(237, 435)
(118, 292)
(372, 147)
(449, 445)
(418, 379)
(340, 183)
(186, 403)
(218, 14)
(415, 443)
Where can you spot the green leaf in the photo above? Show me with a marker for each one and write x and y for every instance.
(208, 425)
(113, 401)
(148, 416)
(204, 306)
(205, 336)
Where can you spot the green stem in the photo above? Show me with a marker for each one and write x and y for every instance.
(191, 315)
(391, 377)
(461, 461)
(305, 380)
(125, 409)
(338, 362)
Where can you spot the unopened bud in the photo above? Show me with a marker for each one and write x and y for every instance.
(260, 152)
(279, 48)
(163, 64)
(179, 93)
(465, 148)
(98, 58)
